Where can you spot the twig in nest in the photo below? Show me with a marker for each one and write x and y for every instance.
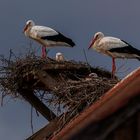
(2, 97)
(32, 128)
(87, 60)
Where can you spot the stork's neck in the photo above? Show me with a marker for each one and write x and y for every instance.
(97, 42)
(27, 32)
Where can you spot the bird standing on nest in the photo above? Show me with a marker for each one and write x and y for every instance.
(113, 47)
(46, 36)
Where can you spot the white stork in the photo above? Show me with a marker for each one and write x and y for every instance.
(59, 57)
(46, 36)
(113, 47)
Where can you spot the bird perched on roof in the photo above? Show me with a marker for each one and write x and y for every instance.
(113, 47)
(46, 36)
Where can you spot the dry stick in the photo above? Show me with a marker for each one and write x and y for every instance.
(32, 128)
(33, 50)
(123, 68)
(37, 113)
(13, 54)
(10, 56)
(2, 97)
(87, 61)
(31, 46)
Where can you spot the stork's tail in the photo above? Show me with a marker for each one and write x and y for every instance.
(138, 53)
(66, 40)
(138, 58)
(70, 42)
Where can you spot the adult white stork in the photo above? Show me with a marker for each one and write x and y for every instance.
(46, 36)
(113, 47)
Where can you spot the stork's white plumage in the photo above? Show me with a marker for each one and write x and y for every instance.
(59, 57)
(46, 36)
(113, 47)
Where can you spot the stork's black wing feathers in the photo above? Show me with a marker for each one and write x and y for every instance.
(127, 49)
(59, 38)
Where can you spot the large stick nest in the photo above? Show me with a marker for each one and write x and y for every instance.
(66, 83)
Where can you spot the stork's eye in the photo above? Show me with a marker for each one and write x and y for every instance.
(97, 36)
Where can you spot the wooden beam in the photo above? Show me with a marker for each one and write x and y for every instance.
(79, 68)
(52, 128)
(29, 96)
(46, 131)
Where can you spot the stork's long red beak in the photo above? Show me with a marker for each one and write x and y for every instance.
(92, 42)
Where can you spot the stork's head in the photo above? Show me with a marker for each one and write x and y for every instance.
(28, 25)
(59, 57)
(96, 37)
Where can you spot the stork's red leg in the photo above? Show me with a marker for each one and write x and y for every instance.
(113, 67)
(44, 52)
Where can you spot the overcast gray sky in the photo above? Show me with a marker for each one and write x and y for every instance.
(77, 19)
